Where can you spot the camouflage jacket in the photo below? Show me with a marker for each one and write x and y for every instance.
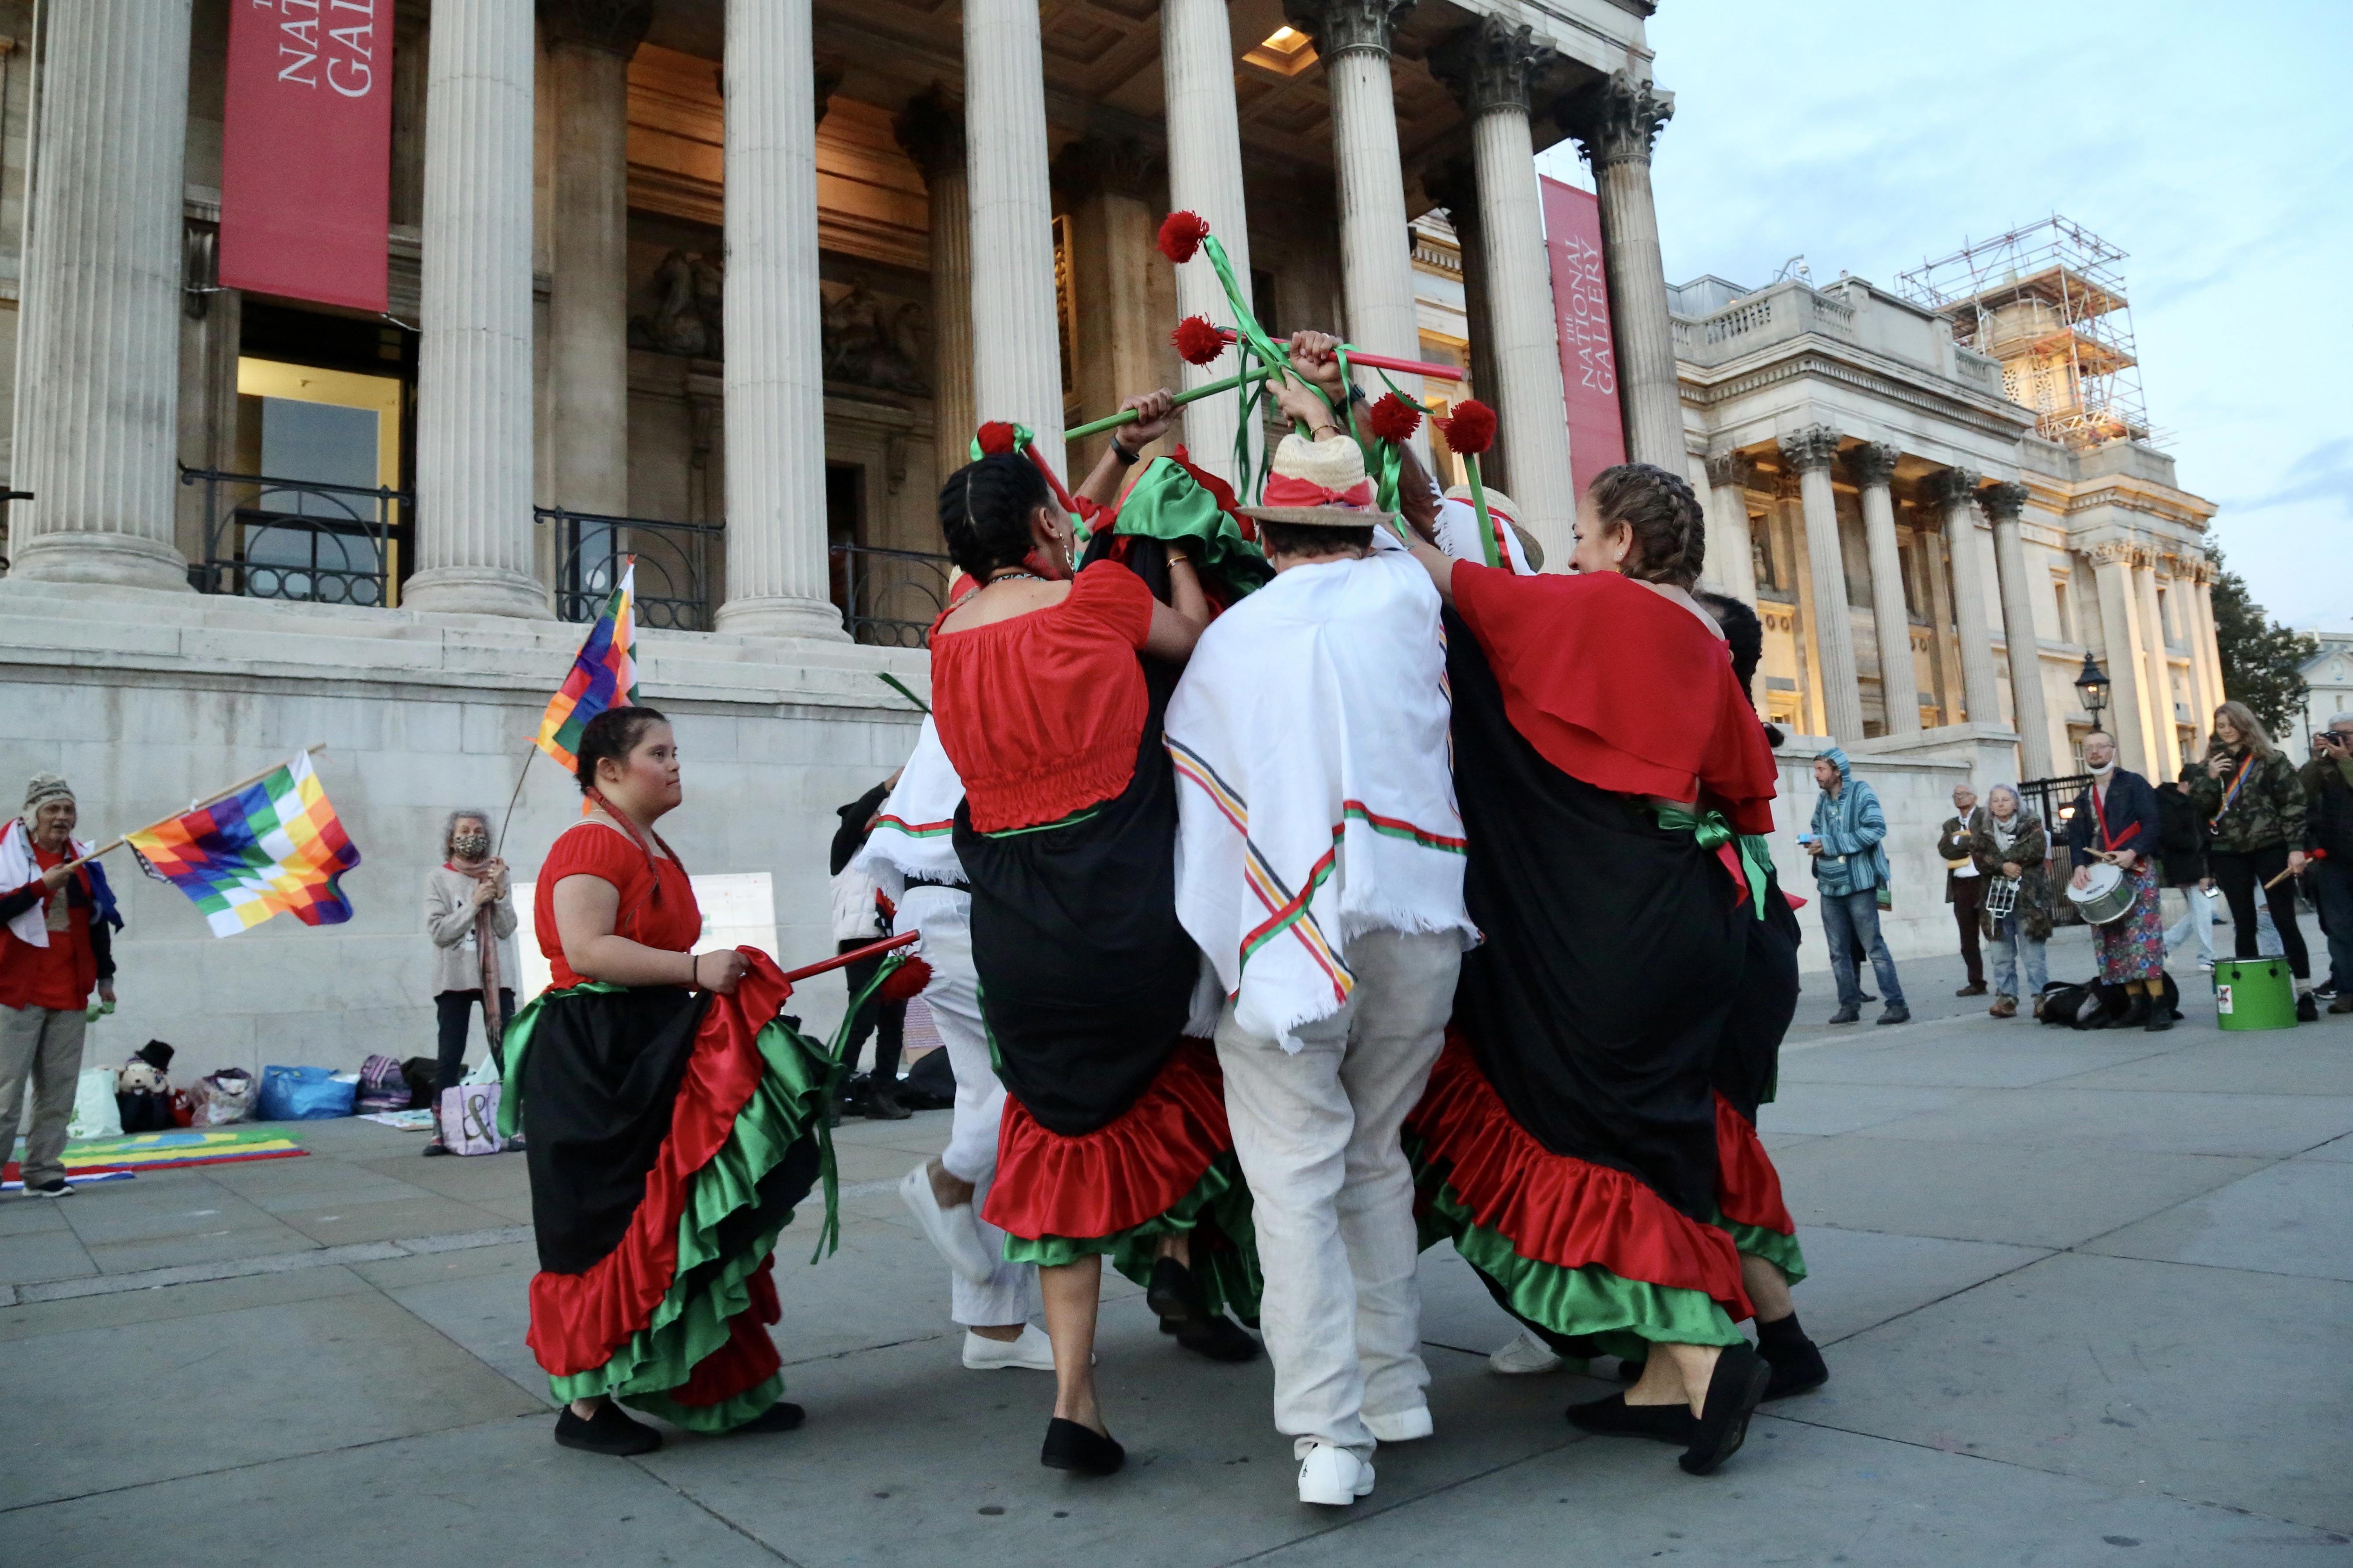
(2268, 813)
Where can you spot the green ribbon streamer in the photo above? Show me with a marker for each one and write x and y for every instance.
(899, 686)
(1169, 504)
(1714, 832)
(1489, 545)
(828, 1235)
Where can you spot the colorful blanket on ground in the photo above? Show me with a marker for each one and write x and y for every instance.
(914, 836)
(275, 847)
(185, 1146)
(1309, 736)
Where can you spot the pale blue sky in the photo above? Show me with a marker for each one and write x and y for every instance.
(2213, 143)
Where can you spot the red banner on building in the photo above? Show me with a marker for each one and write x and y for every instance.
(1589, 355)
(306, 150)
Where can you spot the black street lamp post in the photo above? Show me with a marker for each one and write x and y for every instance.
(2093, 685)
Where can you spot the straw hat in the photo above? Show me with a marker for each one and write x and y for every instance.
(1319, 484)
(1502, 506)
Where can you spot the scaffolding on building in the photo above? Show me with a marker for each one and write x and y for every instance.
(2047, 301)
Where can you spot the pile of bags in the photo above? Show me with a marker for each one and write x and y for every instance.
(138, 1097)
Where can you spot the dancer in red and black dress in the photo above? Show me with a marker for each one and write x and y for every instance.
(1606, 763)
(671, 1118)
(1047, 691)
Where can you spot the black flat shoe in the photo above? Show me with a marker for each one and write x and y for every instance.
(1172, 1293)
(1797, 1370)
(1079, 1449)
(1218, 1338)
(607, 1432)
(781, 1416)
(1733, 1391)
(882, 1105)
(436, 1147)
(1613, 1417)
(2307, 1011)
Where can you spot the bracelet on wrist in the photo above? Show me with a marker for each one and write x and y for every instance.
(1127, 458)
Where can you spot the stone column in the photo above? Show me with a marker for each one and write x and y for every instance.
(2158, 667)
(1110, 187)
(1205, 176)
(2024, 644)
(1811, 453)
(98, 356)
(474, 533)
(778, 584)
(1351, 38)
(1614, 121)
(1488, 66)
(1017, 372)
(1789, 520)
(1731, 558)
(1956, 491)
(2126, 717)
(589, 43)
(1872, 464)
(930, 129)
(2203, 655)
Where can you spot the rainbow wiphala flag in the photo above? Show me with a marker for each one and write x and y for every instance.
(274, 845)
(604, 675)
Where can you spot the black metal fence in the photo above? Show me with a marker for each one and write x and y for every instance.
(674, 561)
(890, 597)
(2054, 800)
(7, 498)
(295, 539)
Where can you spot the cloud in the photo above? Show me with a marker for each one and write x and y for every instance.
(2323, 474)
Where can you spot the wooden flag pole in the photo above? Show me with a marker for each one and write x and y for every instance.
(204, 800)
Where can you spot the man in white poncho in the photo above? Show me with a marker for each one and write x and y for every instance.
(1319, 867)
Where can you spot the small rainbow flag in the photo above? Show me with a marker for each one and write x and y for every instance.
(276, 845)
(604, 675)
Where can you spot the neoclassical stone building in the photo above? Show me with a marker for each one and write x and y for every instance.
(725, 284)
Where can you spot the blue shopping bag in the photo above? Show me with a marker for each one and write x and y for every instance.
(303, 1094)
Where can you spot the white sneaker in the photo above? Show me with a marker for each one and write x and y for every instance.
(1524, 1356)
(1334, 1477)
(1410, 1426)
(1033, 1352)
(950, 1230)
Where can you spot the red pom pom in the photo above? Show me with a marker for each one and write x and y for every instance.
(997, 438)
(1393, 418)
(1197, 340)
(905, 983)
(1472, 428)
(1181, 234)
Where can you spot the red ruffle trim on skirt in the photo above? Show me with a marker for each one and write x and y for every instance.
(749, 1357)
(1747, 1187)
(1556, 1208)
(1133, 1168)
(579, 1320)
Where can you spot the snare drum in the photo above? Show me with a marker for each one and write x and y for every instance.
(2106, 899)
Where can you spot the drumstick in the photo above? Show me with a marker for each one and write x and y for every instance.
(872, 950)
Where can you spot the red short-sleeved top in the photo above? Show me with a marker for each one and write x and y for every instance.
(1041, 714)
(592, 849)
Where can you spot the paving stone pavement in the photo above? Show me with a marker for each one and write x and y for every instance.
(2086, 1298)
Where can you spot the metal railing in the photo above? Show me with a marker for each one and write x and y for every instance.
(7, 498)
(674, 561)
(296, 538)
(889, 597)
(2048, 798)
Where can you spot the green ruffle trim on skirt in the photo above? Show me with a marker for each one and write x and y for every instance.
(1229, 1276)
(691, 1322)
(1781, 1251)
(1623, 1317)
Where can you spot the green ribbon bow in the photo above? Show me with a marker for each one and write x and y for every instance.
(1168, 504)
(1714, 833)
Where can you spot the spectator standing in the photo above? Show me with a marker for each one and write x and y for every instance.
(469, 914)
(1849, 869)
(862, 914)
(2116, 824)
(2253, 803)
(2181, 847)
(57, 925)
(2013, 854)
(2328, 818)
(1964, 885)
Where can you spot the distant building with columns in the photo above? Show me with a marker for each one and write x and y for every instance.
(722, 285)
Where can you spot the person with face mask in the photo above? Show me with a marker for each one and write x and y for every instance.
(469, 914)
(2116, 823)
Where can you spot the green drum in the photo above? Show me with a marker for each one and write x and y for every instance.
(2253, 993)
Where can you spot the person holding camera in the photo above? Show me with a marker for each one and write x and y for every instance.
(2254, 804)
(2327, 782)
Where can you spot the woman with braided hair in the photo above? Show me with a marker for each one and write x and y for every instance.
(1048, 689)
(1607, 762)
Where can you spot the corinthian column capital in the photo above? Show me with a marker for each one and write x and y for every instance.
(1489, 65)
(1954, 487)
(614, 27)
(1726, 470)
(1815, 447)
(1119, 165)
(1873, 463)
(930, 132)
(2002, 501)
(1339, 26)
(1616, 118)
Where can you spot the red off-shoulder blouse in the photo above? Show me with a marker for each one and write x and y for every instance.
(1620, 688)
(592, 849)
(1041, 714)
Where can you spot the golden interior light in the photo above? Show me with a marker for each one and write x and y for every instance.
(1286, 51)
